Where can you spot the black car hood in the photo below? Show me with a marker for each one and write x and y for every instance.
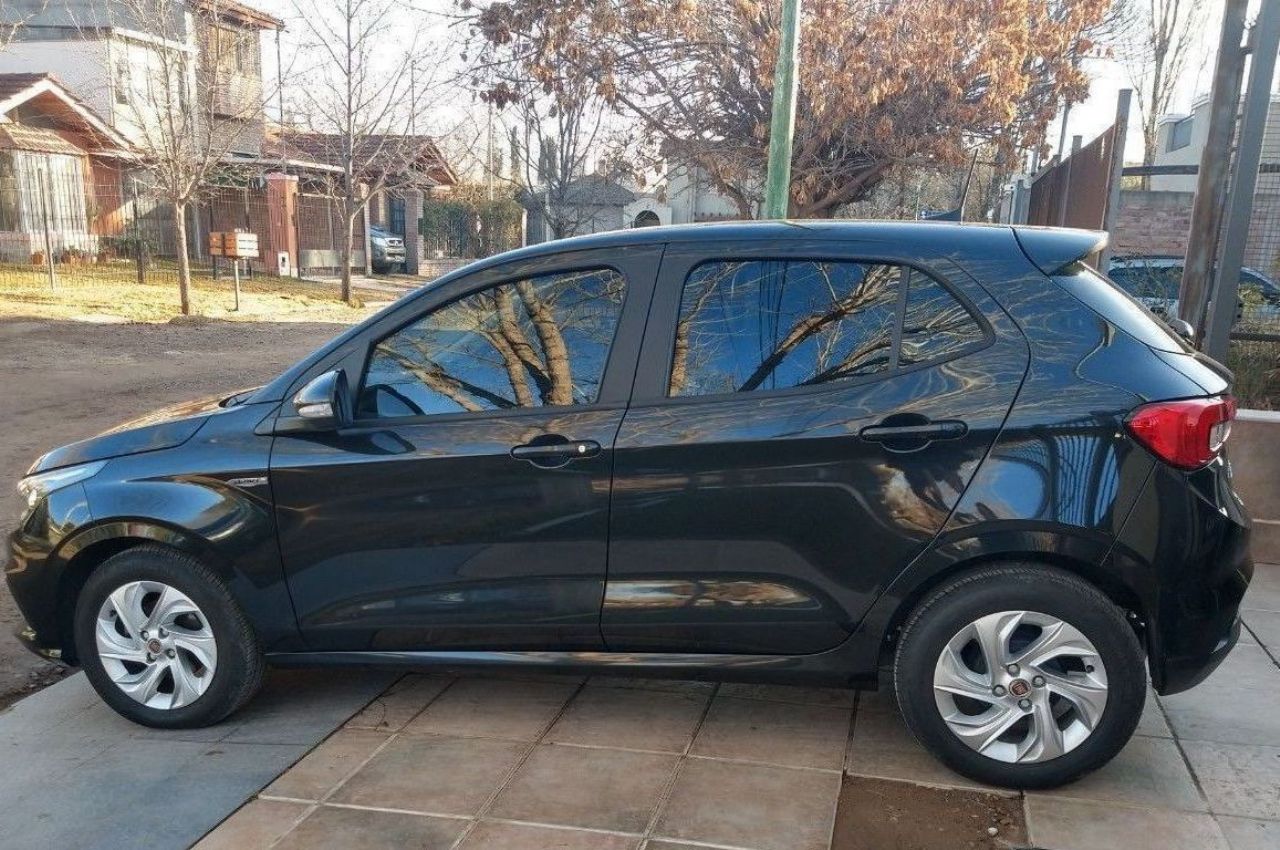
(161, 429)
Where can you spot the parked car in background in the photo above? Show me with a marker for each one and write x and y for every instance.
(949, 459)
(387, 250)
(1155, 282)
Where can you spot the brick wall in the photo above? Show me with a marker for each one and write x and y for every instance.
(1152, 224)
(1157, 224)
(430, 269)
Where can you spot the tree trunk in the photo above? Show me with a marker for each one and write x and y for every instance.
(348, 246)
(184, 262)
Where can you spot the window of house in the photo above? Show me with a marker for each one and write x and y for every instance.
(10, 203)
(775, 324)
(537, 342)
(246, 52)
(122, 81)
(1180, 134)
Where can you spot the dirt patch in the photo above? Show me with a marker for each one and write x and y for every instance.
(67, 380)
(880, 814)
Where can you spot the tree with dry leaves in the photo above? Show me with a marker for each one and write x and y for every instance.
(882, 82)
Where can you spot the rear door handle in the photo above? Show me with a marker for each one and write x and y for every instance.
(945, 429)
(552, 451)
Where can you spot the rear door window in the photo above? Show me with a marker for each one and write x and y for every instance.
(778, 324)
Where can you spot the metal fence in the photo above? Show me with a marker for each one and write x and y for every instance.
(63, 223)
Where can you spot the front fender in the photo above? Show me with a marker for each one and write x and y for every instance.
(211, 498)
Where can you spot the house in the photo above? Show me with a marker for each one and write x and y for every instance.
(315, 161)
(590, 204)
(109, 56)
(594, 203)
(1180, 140)
(1157, 221)
(63, 173)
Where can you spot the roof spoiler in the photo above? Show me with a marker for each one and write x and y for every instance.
(1052, 249)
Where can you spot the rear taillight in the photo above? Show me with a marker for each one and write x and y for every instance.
(1186, 434)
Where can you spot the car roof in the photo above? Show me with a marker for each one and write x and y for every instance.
(1050, 243)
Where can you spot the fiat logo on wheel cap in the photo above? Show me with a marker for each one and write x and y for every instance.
(1019, 687)
(154, 646)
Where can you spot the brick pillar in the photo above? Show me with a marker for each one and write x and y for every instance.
(413, 243)
(282, 210)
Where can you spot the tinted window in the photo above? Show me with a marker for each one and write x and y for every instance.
(1119, 308)
(773, 324)
(531, 343)
(1148, 280)
(936, 325)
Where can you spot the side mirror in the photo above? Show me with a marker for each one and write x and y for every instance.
(1182, 328)
(324, 404)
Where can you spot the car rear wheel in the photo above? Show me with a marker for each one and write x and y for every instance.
(1020, 675)
(163, 642)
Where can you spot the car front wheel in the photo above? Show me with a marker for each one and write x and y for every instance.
(1020, 675)
(163, 642)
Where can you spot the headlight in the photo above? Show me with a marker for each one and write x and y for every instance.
(36, 487)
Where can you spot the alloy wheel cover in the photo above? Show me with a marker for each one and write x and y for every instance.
(1020, 686)
(156, 644)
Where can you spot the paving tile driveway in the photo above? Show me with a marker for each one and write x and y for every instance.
(531, 762)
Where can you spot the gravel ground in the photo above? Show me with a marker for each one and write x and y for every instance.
(63, 381)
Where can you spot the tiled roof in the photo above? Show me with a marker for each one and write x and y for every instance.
(19, 137)
(373, 152)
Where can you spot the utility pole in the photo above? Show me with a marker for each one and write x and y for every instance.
(783, 124)
(1211, 184)
(1264, 42)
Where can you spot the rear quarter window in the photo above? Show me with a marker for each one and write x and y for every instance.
(1119, 308)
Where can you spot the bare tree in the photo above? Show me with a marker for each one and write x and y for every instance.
(369, 57)
(556, 133)
(1155, 44)
(188, 101)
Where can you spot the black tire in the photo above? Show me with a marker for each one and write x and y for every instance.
(239, 669)
(1028, 587)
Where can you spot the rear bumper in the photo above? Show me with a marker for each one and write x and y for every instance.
(1183, 672)
(1185, 552)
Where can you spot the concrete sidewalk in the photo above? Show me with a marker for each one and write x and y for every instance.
(74, 774)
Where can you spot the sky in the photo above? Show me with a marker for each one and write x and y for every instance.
(1088, 119)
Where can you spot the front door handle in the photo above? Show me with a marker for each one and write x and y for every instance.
(909, 432)
(553, 450)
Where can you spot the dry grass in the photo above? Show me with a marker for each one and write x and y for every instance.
(112, 293)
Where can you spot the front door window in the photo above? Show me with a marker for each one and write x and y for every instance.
(538, 342)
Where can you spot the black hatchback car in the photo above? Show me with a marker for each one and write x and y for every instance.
(950, 458)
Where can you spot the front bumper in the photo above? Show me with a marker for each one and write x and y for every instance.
(34, 569)
(28, 638)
